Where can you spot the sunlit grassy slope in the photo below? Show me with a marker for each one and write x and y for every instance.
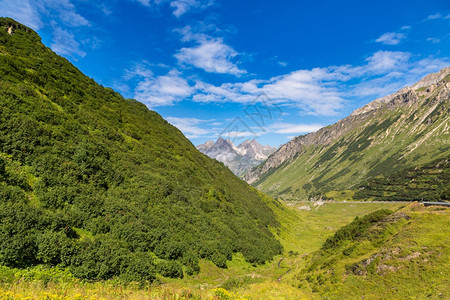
(404, 256)
(302, 232)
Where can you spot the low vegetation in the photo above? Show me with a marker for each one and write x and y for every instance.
(402, 255)
(425, 183)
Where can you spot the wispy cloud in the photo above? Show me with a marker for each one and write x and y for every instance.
(386, 61)
(67, 13)
(282, 63)
(434, 40)
(310, 91)
(183, 6)
(325, 91)
(141, 69)
(60, 15)
(210, 54)
(289, 128)
(279, 62)
(190, 126)
(64, 43)
(437, 16)
(391, 38)
(28, 12)
(180, 6)
(163, 90)
(402, 72)
(144, 2)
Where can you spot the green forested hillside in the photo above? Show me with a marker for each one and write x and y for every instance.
(99, 184)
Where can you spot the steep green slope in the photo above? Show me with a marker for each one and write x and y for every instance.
(100, 184)
(430, 182)
(403, 130)
(399, 256)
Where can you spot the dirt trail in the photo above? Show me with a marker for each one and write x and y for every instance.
(281, 276)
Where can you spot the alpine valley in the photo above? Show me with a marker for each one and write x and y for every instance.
(101, 198)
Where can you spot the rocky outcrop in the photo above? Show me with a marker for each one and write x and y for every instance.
(12, 26)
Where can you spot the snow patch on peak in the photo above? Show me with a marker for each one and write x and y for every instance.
(238, 158)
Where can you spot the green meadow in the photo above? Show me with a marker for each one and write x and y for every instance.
(305, 227)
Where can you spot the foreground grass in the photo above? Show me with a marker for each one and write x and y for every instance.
(305, 228)
(405, 257)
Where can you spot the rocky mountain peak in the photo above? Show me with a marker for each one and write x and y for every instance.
(238, 158)
(429, 80)
(206, 146)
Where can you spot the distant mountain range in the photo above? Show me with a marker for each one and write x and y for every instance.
(240, 158)
(407, 129)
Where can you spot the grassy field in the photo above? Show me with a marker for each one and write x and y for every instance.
(305, 227)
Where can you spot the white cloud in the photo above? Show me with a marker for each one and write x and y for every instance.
(282, 63)
(278, 61)
(26, 13)
(67, 13)
(212, 56)
(180, 6)
(189, 126)
(391, 38)
(289, 128)
(437, 16)
(60, 14)
(227, 92)
(405, 71)
(163, 90)
(139, 70)
(64, 43)
(29, 12)
(386, 61)
(183, 6)
(209, 54)
(434, 40)
(312, 91)
(325, 91)
(309, 90)
(144, 2)
(240, 134)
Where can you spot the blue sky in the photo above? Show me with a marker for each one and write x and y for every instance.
(269, 70)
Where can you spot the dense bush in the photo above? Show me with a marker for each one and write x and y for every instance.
(426, 183)
(355, 229)
(99, 184)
